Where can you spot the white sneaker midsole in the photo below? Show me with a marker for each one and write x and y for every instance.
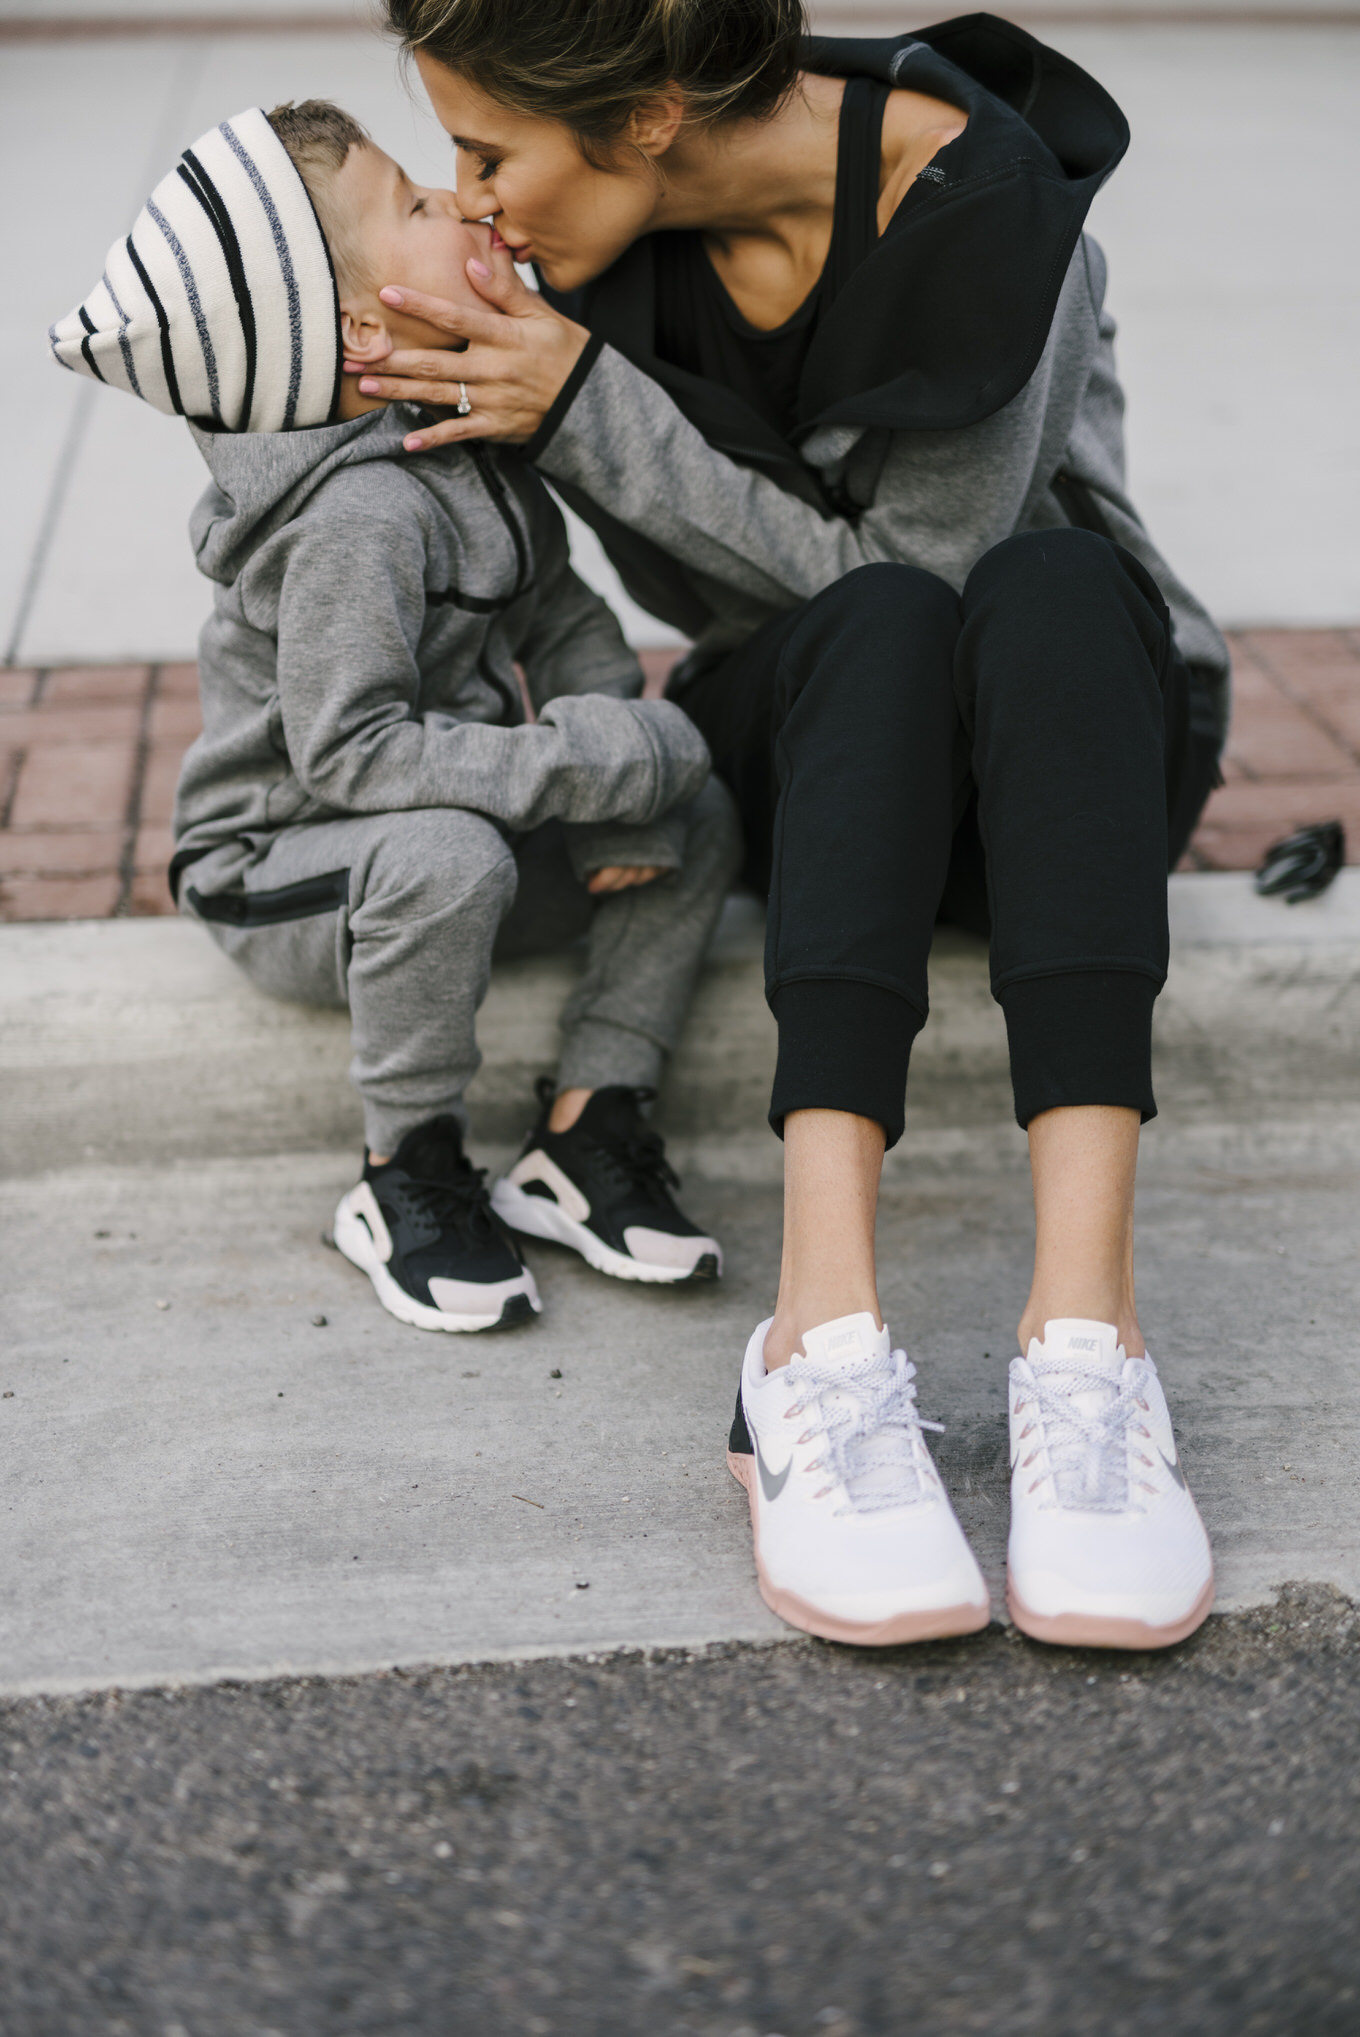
(536, 1216)
(1051, 1595)
(355, 1240)
(954, 1603)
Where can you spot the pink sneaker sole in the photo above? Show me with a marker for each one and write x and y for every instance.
(939, 1623)
(1084, 1630)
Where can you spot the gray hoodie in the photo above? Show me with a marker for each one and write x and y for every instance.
(369, 613)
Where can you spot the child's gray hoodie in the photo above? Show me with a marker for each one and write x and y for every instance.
(369, 612)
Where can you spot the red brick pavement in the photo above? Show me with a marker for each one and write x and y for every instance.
(89, 756)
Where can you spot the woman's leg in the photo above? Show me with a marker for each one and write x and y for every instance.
(1082, 1153)
(1083, 1160)
(837, 727)
(861, 772)
(832, 1164)
(1062, 663)
(1066, 676)
(871, 773)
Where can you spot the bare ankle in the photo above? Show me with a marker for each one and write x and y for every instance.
(567, 1107)
(782, 1340)
(832, 1162)
(1084, 1159)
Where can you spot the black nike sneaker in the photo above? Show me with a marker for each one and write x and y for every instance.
(604, 1188)
(422, 1228)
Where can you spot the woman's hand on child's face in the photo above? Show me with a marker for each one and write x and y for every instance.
(621, 877)
(518, 354)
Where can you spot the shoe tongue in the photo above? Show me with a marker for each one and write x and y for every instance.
(1087, 1346)
(433, 1151)
(1093, 1346)
(611, 1113)
(848, 1342)
(877, 1467)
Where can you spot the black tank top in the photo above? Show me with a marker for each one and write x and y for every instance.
(699, 328)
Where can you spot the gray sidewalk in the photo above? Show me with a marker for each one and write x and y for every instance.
(202, 1482)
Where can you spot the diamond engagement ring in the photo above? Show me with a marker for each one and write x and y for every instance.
(464, 400)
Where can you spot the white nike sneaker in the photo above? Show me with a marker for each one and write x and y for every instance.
(1107, 1549)
(855, 1537)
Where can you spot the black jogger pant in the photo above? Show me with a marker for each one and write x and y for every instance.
(860, 730)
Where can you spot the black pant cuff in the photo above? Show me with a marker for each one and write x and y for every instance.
(1080, 1039)
(843, 1045)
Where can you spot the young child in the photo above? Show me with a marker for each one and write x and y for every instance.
(371, 807)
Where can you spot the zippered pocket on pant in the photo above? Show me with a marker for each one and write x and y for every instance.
(305, 900)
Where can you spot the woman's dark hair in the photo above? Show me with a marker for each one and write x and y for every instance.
(588, 63)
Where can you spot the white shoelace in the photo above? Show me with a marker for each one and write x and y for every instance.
(869, 1418)
(1087, 1453)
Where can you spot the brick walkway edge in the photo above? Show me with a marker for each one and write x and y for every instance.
(89, 756)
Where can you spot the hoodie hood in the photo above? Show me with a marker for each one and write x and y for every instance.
(945, 320)
(261, 480)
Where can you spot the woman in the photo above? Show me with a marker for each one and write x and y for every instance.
(821, 354)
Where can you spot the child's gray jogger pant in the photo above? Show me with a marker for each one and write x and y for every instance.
(396, 915)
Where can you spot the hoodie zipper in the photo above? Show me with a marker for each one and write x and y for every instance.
(500, 497)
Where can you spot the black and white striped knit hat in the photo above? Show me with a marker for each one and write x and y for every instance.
(221, 303)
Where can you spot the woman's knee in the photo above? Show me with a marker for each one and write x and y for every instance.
(1064, 572)
(875, 635)
(885, 592)
(1063, 625)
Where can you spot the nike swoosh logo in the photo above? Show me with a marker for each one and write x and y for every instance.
(1173, 1465)
(769, 1484)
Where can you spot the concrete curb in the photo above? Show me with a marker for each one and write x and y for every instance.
(136, 1041)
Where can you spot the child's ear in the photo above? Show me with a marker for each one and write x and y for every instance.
(364, 334)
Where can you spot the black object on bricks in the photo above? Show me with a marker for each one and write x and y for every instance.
(1304, 863)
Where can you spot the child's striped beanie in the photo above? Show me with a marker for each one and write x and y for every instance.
(221, 303)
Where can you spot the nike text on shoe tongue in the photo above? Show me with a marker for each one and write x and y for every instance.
(1092, 1346)
(848, 1341)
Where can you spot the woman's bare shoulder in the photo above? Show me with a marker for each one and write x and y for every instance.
(915, 128)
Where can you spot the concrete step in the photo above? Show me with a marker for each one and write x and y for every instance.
(201, 1481)
(135, 1041)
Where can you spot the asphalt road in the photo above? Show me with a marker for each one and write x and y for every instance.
(980, 1836)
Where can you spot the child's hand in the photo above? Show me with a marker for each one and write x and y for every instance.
(621, 877)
